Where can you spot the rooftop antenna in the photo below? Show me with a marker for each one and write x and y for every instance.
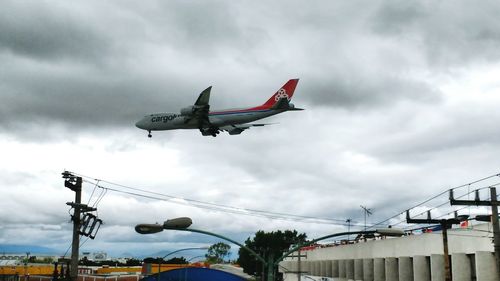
(348, 221)
(367, 212)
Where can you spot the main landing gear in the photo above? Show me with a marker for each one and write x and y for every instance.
(149, 134)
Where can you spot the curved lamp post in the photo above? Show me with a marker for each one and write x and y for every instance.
(171, 253)
(182, 224)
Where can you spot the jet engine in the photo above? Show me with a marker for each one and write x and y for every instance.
(188, 110)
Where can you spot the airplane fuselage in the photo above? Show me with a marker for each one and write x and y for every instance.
(218, 118)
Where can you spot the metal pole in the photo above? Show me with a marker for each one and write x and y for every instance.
(75, 245)
(496, 228)
(270, 267)
(447, 272)
(159, 268)
(299, 273)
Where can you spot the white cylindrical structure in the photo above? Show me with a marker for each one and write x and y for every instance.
(367, 269)
(358, 269)
(437, 267)
(335, 269)
(391, 269)
(328, 269)
(486, 267)
(405, 269)
(349, 269)
(379, 269)
(421, 268)
(342, 270)
(460, 265)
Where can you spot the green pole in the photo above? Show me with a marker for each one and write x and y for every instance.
(270, 267)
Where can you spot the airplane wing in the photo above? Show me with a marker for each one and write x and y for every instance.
(238, 129)
(199, 111)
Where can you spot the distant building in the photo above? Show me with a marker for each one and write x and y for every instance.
(96, 256)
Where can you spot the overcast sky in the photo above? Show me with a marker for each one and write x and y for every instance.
(401, 103)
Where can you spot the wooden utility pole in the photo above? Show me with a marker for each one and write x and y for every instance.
(494, 217)
(445, 223)
(75, 184)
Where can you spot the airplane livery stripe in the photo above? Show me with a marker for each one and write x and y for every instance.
(242, 111)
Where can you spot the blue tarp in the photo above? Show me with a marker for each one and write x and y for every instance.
(194, 274)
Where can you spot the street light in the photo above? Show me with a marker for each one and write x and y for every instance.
(177, 223)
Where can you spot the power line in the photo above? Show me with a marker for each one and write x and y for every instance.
(139, 192)
(434, 197)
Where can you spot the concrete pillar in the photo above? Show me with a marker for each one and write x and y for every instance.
(342, 270)
(437, 267)
(405, 268)
(460, 265)
(335, 269)
(328, 269)
(286, 266)
(304, 266)
(358, 269)
(421, 268)
(368, 270)
(323, 269)
(391, 269)
(379, 269)
(314, 268)
(486, 266)
(349, 269)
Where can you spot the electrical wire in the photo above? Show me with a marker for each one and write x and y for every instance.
(138, 192)
(436, 196)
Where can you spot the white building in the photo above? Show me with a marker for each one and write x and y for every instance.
(409, 258)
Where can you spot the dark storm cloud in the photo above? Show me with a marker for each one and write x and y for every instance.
(104, 65)
(449, 33)
(48, 32)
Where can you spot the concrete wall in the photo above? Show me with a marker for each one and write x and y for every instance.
(409, 258)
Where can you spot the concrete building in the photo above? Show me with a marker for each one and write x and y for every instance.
(409, 258)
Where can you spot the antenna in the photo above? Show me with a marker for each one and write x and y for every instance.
(367, 212)
(348, 221)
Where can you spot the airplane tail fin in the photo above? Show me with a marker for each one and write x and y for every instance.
(285, 92)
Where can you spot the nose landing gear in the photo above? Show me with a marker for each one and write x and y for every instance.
(149, 134)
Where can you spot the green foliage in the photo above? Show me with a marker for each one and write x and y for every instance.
(217, 252)
(130, 262)
(174, 260)
(269, 245)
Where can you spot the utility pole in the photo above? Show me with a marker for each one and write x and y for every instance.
(348, 221)
(494, 217)
(299, 267)
(75, 184)
(445, 223)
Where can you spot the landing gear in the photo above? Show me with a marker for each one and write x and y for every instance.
(212, 131)
(149, 134)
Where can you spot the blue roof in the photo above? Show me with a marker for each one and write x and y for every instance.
(194, 274)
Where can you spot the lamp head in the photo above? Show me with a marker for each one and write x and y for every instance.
(146, 228)
(177, 223)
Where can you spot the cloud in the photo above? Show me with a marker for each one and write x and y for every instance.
(399, 104)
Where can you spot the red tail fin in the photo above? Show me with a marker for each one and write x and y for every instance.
(284, 92)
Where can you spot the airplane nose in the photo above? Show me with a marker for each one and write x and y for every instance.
(140, 124)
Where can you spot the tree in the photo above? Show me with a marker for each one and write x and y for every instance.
(269, 245)
(217, 252)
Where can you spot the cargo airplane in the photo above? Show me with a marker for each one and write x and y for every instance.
(210, 123)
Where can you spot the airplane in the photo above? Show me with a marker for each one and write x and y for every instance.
(211, 123)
